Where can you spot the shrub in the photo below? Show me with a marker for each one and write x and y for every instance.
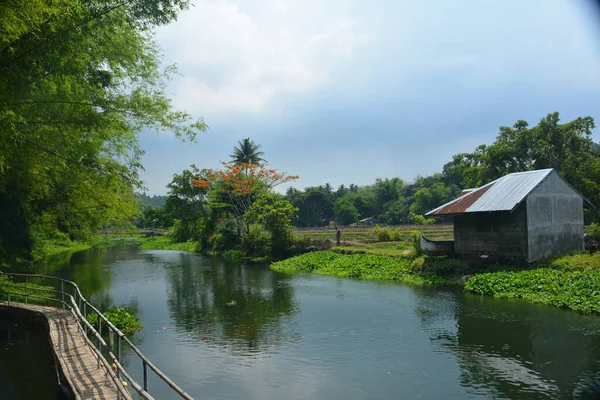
(124, 318)
(416, 242)
(233, 254)
(421, 219)
(593, 230)
(257, 242)
(382, 234)
(223, 241)
(387, 234)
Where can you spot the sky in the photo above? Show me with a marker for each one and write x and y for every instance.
(347, 91)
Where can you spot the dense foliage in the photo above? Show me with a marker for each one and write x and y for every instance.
(579, 291)
(78, 81)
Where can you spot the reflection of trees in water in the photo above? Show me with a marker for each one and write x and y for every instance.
(233, 306)
(514, 349)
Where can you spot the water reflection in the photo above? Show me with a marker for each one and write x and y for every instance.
(307, 336)
(515, 349)
(231, 305)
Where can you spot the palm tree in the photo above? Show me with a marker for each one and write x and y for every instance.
(247, 152)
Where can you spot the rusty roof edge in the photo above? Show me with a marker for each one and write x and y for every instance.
(461, 197)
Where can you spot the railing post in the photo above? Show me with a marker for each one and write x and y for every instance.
(118, 353)
(85, 316)
(99, 330)
(100, 351)
(145, 376)
(62, 292)
(9, 299)
(26, 285)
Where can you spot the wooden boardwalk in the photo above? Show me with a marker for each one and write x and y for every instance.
(88, 378)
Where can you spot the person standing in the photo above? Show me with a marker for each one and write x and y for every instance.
(338, 236)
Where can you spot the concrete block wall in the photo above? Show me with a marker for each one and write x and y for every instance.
(554, 219)
(495, 233)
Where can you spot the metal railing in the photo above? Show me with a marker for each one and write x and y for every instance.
(81, 308)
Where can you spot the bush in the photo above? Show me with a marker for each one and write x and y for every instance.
(387, 234)
(416, 242)
(233, 254)
(421, 220)
(124, 318)
(593, 230)
(223, 241)
(257, 242)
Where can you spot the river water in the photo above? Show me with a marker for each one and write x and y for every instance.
(230, 331)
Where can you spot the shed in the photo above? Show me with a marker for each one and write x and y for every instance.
(524, 216)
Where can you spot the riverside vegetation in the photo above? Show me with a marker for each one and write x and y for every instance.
(569, 281)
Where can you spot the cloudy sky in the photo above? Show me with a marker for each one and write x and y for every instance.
(346, 91)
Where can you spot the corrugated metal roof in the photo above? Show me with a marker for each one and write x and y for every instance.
(503, 194)
(465, 191)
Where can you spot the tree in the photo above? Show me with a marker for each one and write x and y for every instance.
(238, 186)
(567, 147)
(247, 152)
(345, 212)
(187, 203)
(274, 213)
(78, 81)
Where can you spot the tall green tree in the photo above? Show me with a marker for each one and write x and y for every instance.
(79, 81)
(247, 152)
(566, 147)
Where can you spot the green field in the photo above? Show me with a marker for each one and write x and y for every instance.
(365, 240)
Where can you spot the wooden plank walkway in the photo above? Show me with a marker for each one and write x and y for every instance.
(87, 377)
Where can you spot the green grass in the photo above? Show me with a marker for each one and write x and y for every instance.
(7, 285)
(53, 247)
(165, 243)
(361, 266)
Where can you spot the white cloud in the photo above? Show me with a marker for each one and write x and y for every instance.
(240, 56)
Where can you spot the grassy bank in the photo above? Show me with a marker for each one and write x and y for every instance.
(49, 248)
(420, 271)
(571, 281)
(165, 243)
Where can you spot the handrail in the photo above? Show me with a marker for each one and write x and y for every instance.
(79, 307)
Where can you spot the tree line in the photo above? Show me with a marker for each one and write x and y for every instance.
(567, 147)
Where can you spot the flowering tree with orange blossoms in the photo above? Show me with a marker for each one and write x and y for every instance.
(241, 184)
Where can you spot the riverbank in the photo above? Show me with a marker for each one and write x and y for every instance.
(419, 270)
(51, 248)
(570, 281)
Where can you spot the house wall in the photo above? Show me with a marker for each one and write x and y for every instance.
(495, 233)
(554, 219)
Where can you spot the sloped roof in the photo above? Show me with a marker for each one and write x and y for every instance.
(503, 194)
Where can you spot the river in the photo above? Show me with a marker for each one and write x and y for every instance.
(229, 331)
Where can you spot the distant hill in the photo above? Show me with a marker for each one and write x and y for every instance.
(151, 202)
